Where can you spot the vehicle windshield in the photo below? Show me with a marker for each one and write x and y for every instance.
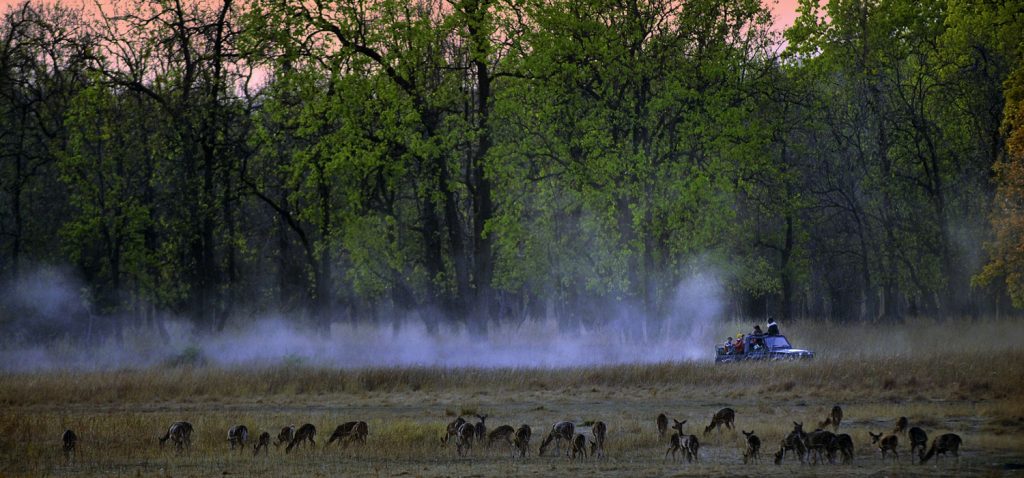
(777, 342)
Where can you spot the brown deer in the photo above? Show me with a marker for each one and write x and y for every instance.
(262, 442)
(842, 443)
(453, 430)
(70, 440)
(753, 451)
(180, 433)
(600, 431)
(238, 435)
(679, 441)
(522, 439)
(306, 432)
(901, 425)
(579, 446)
(662, 422)
(819, 442)
(464, 437)
(504, 432)
(561, 431)
(948, 443)
(725, 416)
(793, 442)
(349, 432)
(885, 444)
(918, 439)
(286, 436)
(481, 428)
(833, 420)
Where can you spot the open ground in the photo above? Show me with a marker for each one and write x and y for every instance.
(946, 377)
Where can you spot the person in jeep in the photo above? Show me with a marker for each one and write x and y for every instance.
(773, 328)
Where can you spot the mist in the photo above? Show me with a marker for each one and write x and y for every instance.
(542, 342)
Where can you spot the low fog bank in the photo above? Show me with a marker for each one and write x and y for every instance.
(686, 334)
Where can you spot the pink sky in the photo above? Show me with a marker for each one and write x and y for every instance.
(784, 10)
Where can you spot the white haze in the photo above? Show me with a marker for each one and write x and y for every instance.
(686, 334)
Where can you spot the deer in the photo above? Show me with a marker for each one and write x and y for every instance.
(662, 422)
(522, 439)
(306, 432)
(286, 436)
(793, 442)
(180, 433)
(901, 425)
(833, 420)
(819, 442)
(679, 441)
(948, 443)
(452, 430)
(725, 416)
(481, 428)
(262, 442)
(600, 431)
(559, 432)
(918, 439)
(753, 451)
(842, 443)
(238, 435)
(349, 432)
(504, 432)
(464, 437)
(70, 440)
(579, 446)
(886, 443)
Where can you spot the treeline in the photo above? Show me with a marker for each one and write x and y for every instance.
(493, 160)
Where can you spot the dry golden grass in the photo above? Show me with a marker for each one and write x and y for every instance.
(964, 379)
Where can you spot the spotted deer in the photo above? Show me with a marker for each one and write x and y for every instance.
(349, 432)
(305, 433)
(679, 441)
(452, 430)
(753, 451)
(819, 445)
(502, 433)
(794, 442)
(600, 431)
(886, 444)
(833, 420)
(948, 443)
(662, 422)
(70, 441)
(180, 433)
(286, 436)
(522, 439)
(481, 428)
(561, 431)
(843, 444)
(464, 437)
(725, 416)
(262, 442)
(579, 446)
(237, 436)
(901, 425)
(918, 439)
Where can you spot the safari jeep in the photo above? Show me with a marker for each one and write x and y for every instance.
(761, 347)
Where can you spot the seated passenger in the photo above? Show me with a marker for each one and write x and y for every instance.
(757, 330)
(738, 344)
(727, 346)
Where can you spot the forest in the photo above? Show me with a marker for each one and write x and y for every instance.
(478, 162)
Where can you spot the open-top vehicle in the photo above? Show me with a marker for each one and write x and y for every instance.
(761, 347)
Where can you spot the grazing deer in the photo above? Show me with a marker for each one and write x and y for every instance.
(504, 432)
(918, 439)
(238, 435)
(464, 437)
(793, 442)
(901, 425)
(680, 441)
(691, 446)
(579, 446)
(306, 432)
(725, 416)
(833, 420)
(561, 431)
(349, 432)
(885, 444)
(481, 428)
(180, 433)
(452, 430)
(286, 436)
(819, 442)
(70, 440)
(522, 439)
(600, 431)
(950, 442)
(262, 442)
(842, 443)
(662, 425)
(753, 451)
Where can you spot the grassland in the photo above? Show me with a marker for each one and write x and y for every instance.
(961, 377)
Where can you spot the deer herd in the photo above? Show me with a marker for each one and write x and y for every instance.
(817, 446)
